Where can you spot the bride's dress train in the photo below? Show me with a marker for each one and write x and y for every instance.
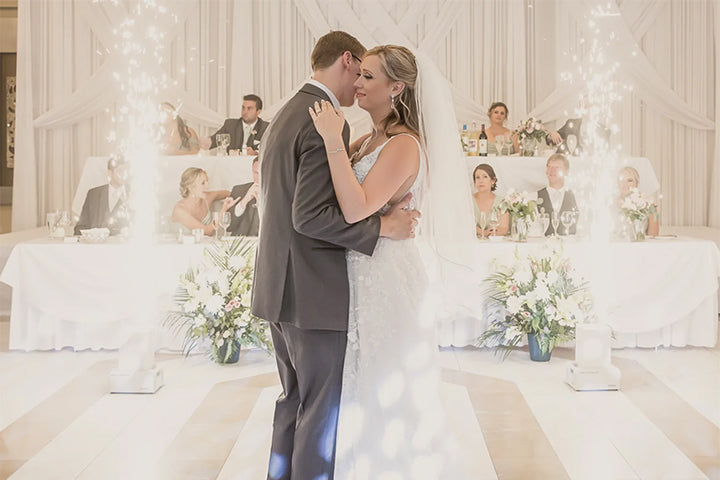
(391, 422)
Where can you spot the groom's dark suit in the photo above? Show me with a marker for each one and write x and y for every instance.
(301, 287)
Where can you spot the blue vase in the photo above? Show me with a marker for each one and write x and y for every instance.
(232, 357)
(536, 355)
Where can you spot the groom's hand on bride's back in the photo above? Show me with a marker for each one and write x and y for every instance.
(399, 223)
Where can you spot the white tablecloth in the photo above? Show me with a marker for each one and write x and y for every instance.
(81, 295)
(223, 173)
(528, 173)
(662, 291)
(7, 243)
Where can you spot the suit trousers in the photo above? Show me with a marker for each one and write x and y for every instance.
(310, 365)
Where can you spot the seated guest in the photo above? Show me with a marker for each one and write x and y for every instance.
(246, 130)
(628, 179)
(179, 139)
(245, 219)
(497, 114)
(106, 206)
(193, 210)
(485, 200)
(555, 197)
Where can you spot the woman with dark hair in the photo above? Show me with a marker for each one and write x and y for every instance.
(179, 139)
(498, 113)
(485, 201)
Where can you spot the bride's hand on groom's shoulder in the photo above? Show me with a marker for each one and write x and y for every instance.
(399, 223)
(328, 121)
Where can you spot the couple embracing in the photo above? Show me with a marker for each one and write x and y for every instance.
(339, 275)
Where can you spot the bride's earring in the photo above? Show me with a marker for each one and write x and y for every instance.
(392, 98)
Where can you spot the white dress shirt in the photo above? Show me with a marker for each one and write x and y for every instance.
(324, 88)
(556, 197)
(247, 131)
(114, 195)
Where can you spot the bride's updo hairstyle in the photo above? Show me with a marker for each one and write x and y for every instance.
(399, 65)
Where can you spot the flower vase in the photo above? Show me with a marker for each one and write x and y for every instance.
(521, 229)
(529, 145)
(536, 353)
(639, 227)
(221, 353)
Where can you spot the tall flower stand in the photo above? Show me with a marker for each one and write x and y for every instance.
(592, 369)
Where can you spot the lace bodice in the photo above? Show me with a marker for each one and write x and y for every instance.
(362, 168)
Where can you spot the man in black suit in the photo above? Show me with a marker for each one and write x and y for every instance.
(106, 206)
(247, 130)
(245, 219)
(555, 197)
(300, 284)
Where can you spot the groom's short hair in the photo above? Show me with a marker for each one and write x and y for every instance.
(331, 46)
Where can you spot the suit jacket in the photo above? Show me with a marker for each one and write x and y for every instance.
(96, 212)
(568, 205)
(300, 268)
(248, 223)
(234, 126)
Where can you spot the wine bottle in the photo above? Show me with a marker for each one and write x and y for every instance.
(473, 141)
(483, 143)
(464, 138)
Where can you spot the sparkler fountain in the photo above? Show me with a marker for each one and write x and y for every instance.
(592, 369)
(138, 119)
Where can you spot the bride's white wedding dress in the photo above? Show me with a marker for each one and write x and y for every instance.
(391, 418)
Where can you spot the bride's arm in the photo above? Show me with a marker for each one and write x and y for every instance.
(397, 163)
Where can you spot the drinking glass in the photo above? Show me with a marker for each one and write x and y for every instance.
(51, 219)
(223, 142)
(555, 222)
(571, 144)
(494, 221)
(567, 219)
(483, 223)
(545, 221)
(225, 222)
(216, 223)
(499, 143)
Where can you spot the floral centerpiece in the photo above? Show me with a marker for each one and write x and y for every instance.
(531, 133)
(522, 207)
(213, 302)
(539, 295)
(637, 208)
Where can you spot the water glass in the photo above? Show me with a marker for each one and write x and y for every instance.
(545, 221)
(482, 221)
(225, 222)
(51, 219)
(555, 222)
(494, 221)
(216, 223)
(567, 220)
(223, 142)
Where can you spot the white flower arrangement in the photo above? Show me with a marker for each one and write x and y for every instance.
(531, 128)
(637, 206)
(540, 294)
(519, 204)
(213, 302)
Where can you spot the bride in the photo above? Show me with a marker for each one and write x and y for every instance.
(391, 420)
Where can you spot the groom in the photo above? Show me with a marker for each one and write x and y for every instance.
(301, 285)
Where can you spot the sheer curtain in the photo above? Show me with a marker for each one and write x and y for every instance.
(509, 50)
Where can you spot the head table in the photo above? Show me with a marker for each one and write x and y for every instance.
(224, 172)
(663, 291)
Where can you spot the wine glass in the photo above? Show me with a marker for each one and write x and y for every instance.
(223, 142)
(567, 219)
(571, 144)
(555, 222)
(225, 222)
(499, 143)
(216, 223)
(545, 221)
(494, 221)
(482, 221)
(51, 219)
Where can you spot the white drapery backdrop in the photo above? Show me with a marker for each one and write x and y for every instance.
(509, 50)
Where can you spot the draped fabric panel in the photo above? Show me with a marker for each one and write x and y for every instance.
(516, 51)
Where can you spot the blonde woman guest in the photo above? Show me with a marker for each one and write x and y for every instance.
(628, 179)
(484, 200)
(193, 210)
(497, 113)
(179, 139)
